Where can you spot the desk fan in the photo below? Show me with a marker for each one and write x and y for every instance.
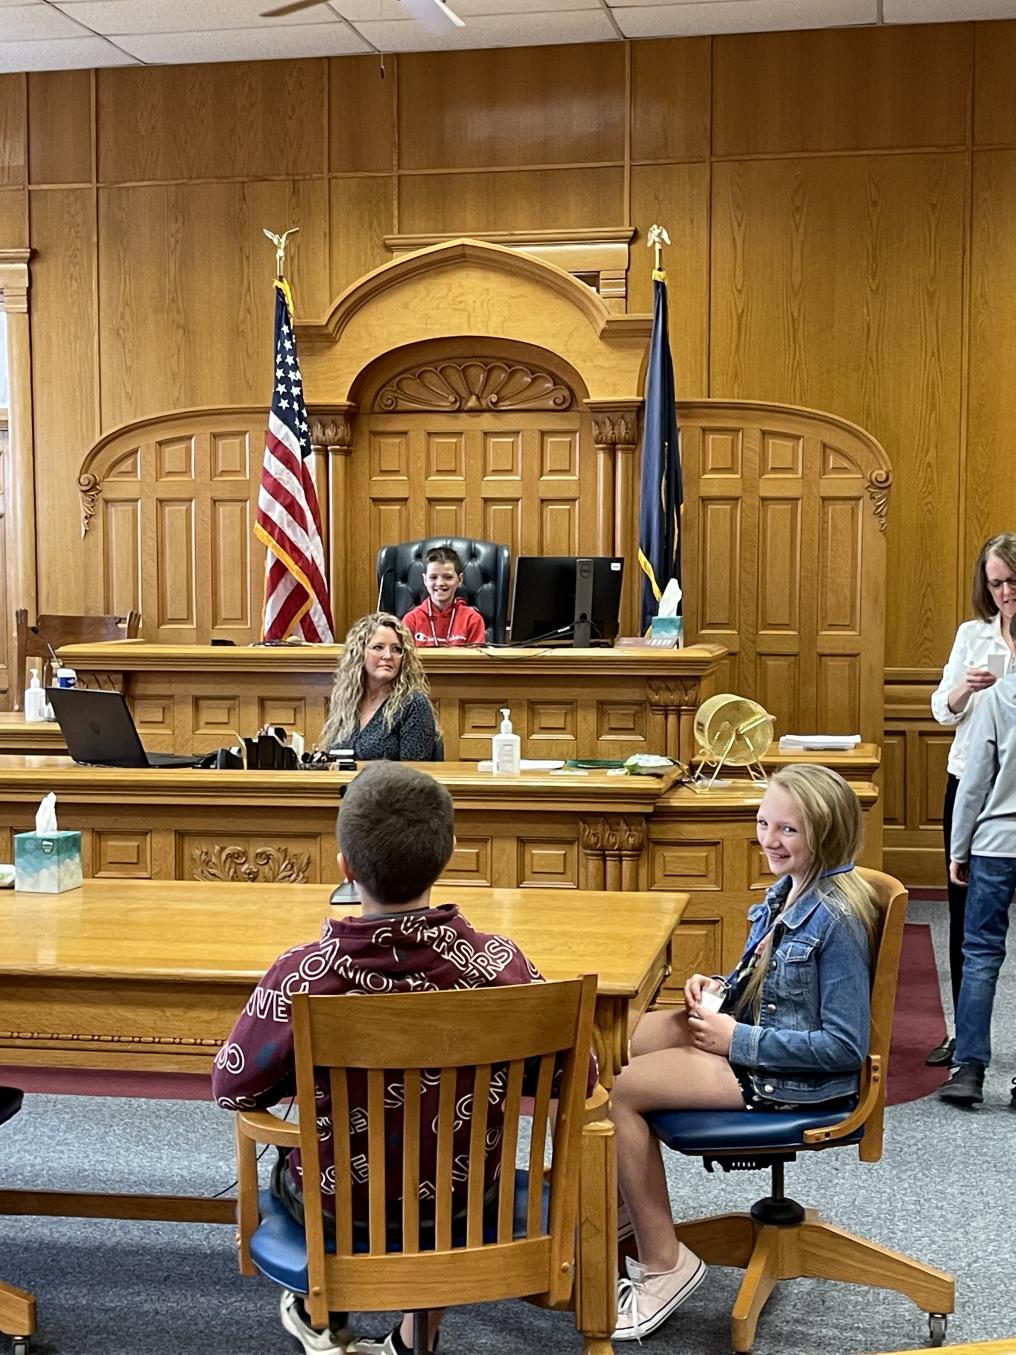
(733, 731)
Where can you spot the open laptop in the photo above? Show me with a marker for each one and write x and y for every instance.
(99, 730)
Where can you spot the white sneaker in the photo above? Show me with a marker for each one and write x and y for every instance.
(314, 1342)
(645, 1301)
(383, 1345)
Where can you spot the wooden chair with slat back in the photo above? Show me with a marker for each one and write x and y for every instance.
(17, 1309)
(63, 629)
(778, 1239)
(456, 1237)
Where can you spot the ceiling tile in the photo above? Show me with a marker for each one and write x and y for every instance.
(261, 44)
(942, 11)
(184, 16)
(374, 11)
(37, 22)
(535, 30)
(696, 17)
(64, 54)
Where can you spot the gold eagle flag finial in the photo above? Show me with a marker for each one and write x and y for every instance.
(279, 241)
(658, 237)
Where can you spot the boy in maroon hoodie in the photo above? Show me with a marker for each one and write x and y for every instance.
(396, 835)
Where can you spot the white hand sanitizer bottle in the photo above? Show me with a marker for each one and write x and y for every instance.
(35, 700)
(506, 749)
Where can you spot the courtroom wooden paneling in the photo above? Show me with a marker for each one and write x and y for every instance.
(784, 550)
(851, 89)
(670, 100)
(178, 285)
(988, 504)
(362, 213)
(871, 309)
(915, 754)
(247, 119)
(515, 200)
(13, 217)
(13, 126)
(60, 127)
(565, 702)
(994, 56)
(361, 116)
(64, 284)
(557, 86)
(679, 196)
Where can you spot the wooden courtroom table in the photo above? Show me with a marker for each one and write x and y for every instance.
(564, 702)
(147, 975)
(590, 831)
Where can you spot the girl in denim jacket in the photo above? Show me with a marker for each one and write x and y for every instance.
(789, 1026)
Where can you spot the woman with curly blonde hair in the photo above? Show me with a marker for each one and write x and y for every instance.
(380, 703)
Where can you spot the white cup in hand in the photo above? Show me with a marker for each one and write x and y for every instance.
(710, 1000)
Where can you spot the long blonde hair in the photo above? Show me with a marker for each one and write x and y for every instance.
(831, 817)
(351, 679)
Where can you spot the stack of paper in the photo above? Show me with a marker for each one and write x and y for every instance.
(819, 743)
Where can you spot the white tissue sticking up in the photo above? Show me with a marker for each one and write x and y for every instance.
(671, 599)
(45, 817)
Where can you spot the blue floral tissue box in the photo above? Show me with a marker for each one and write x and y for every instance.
(47, 863)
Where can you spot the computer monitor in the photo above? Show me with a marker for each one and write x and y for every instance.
(570, 598)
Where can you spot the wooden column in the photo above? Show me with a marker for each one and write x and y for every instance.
(615, 435)
(22, 578)
(331, 437)
(676, 702)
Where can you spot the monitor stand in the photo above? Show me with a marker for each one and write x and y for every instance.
(581, 629)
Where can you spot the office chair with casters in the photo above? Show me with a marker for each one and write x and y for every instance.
(511, 1240)
(778, 1239)
(17, 1309)
(484, 578)
(63, 629)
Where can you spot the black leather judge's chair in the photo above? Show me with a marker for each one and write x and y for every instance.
(484, 578)
(17, 1309)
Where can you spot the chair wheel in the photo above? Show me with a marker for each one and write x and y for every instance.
(937, 1323)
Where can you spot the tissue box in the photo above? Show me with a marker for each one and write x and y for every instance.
(668, 625)
(47, 863)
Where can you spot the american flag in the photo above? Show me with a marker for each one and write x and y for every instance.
(288, 518)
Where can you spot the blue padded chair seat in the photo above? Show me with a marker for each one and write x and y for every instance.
(278, 1246)
(10, 1102)
(703, 1132)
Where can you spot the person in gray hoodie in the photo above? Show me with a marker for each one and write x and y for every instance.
(983, 852)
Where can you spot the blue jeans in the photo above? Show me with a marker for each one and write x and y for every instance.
(992, 882)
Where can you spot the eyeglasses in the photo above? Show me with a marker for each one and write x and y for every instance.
(996, 585)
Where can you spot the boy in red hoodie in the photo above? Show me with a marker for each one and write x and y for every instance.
(444, 619)
(396, 835)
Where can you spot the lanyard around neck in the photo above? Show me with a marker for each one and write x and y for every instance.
(451, 619)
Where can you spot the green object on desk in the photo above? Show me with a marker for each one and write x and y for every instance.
(596, 764)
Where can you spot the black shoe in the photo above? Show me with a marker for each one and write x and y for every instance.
(965, 1086)
(1012, 1095)
(941, 1055)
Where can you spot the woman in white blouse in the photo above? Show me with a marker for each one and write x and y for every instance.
(983, 651)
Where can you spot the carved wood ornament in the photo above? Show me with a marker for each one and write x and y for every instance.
(271, 865)
(471, 386)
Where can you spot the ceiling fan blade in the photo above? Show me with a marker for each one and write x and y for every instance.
(291, 8)
(435, 15)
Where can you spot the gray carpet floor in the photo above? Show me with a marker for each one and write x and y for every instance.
(942, 1193)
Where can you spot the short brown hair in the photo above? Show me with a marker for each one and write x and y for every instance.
(396, 829)
(443, 555)
(1004, 546)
